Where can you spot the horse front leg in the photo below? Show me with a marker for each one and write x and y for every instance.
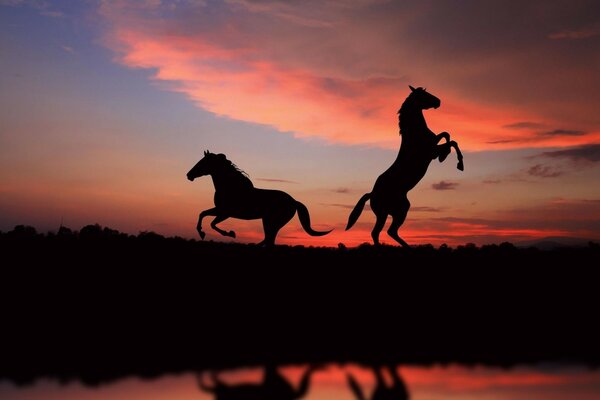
(459, 155)
(221, 218)
(444, 149)
(440, 136)
(205, 213)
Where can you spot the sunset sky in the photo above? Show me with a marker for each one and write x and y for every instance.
(105, 105)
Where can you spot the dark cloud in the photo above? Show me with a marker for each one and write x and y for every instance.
(426, 209)
(468, 221)
(523, 125)
(367, 207)
(444, 185)
(275, 180)
(343, 190)
(341, 205)
(576, 34)
(537, 136)
(347, 206)
(589, 152)
(564, 132)
(504, 141)
(543, 171)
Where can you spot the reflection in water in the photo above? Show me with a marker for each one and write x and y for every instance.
(382, 391)
(273, 386)
(437, 383)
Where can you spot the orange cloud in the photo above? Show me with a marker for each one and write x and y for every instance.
(239, 80)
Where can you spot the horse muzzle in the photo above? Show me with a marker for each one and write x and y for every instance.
(190, 177)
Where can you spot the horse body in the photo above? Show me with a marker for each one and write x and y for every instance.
(255, 203)
(419, 147)
(236, 197)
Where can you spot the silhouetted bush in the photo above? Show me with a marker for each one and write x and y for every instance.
(91, 232)
(63, 231)
(23, 232)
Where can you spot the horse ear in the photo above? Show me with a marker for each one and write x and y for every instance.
(412, 89)
(205, 152)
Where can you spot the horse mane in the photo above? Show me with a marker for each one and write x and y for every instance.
(238, 173)
(405, 105)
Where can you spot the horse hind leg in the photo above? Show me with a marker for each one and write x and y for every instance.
(271, 229)
(273, 223)
(379, 223)
(397, 221)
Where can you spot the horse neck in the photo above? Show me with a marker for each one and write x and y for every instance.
(218, 182)
(226, 180)
(411, 120)
(412, 126)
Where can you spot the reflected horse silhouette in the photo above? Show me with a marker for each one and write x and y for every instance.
(273, 387)
(419, 147)
(236, 197)
(397, 391)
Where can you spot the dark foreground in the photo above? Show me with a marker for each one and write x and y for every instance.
(100, 305)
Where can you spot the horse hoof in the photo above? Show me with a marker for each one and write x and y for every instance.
(202, 235)
(232, 234)
(460, 166)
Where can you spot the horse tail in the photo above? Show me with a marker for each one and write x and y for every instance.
(357, 210)
(305, 220)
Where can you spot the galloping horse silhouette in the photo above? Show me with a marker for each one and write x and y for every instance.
(236, 197)
(419, 147)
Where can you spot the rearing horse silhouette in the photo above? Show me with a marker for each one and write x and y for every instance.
(236, 197)
(419, 147)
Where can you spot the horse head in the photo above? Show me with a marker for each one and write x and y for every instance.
(206, 165)
(422, 99)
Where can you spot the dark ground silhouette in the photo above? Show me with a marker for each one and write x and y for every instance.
(99, 305)
(419, 147)
(236, 197)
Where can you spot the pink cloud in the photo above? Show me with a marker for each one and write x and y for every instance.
(237, 70)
